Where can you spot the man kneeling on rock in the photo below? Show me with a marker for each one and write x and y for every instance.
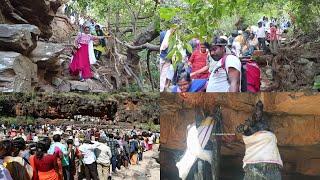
(262, 159)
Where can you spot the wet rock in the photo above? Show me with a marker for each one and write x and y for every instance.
(20, 38)
(17, 72)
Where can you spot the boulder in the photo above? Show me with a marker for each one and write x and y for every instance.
(46, 56)
(62, 29)
(17, 72)
(21, 38)
(46, 52)
(79, 86)
(37, 12)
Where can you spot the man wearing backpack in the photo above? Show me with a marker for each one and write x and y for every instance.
(226, 74)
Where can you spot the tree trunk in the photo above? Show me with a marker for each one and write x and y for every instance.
(148, 35)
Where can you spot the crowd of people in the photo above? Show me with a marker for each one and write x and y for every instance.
(218, 66)
(90, 44)
(47, 152)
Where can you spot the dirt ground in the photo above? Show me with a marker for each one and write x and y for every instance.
(148, 168)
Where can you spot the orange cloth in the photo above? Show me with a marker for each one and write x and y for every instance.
(49, 175)
(134, 159)
(38, 175)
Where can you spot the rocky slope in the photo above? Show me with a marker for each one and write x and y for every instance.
(293, 117)
(29, 62)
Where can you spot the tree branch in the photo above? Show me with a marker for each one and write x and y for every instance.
(148, 46)
(149, 71)
(131, 73)
(126, 31)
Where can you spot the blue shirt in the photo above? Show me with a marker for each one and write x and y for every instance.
(64, 150)
(197, 85)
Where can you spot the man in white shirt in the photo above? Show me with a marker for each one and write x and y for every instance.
(89, 159)
(104, 155)
(261, 35)
(226, 74)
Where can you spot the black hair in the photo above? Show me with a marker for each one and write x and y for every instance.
(178, 74)
(18, 144)
(184, 76)
(42, 147)
(69, 141)
(97, 26)
(110, 135)
(5, 148)
(56, 138)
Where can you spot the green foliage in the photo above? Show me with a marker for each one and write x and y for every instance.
(17, 120)
(150, 125)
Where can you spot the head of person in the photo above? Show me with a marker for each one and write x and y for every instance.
(86, 30)
(18, 145)
(5, 148)
(97, 27)
(110, 135)
(56, 138)
(203, 48)
(87, 141)
(184, 81)
(70, 143)
(41, 148)
(218, 49)
(102, 140)
(259, 24)
(33, 148)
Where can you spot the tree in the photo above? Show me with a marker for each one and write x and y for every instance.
(134, 26)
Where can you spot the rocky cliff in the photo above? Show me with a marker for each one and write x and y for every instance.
(127, 108)
(293, 117)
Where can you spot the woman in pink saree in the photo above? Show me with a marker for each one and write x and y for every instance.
(80, 64)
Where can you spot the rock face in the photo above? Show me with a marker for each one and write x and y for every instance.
(36, 12)
(293, 117)
(46, 52)
(17, 72)
(129, 108)
(21, 38)
(62, 28)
